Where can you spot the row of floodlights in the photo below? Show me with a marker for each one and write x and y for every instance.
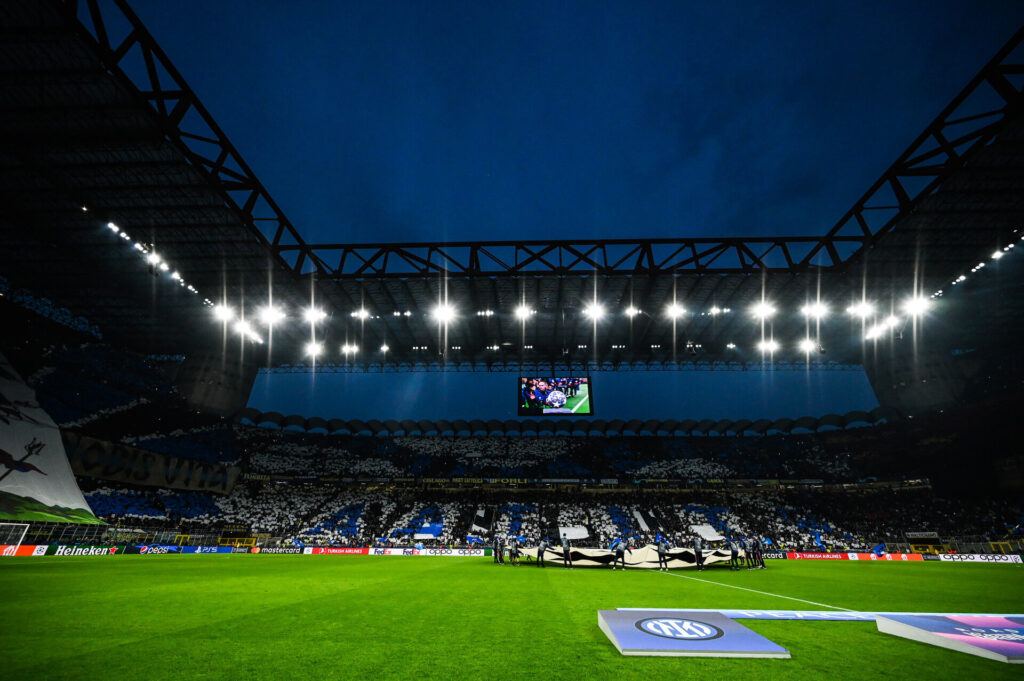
(316, 349)
(446, 313)
(996, 255)
(151, 257)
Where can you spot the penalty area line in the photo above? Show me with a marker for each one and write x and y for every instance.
(763, 593)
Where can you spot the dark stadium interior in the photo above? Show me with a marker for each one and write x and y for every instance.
(152, 289)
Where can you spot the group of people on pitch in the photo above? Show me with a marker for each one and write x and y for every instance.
(753, 552)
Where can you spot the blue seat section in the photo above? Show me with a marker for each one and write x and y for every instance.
(623, 521)
(162, 504)
(343, 522)
(713, 516)
(428, 515)
(214, 445)
(95, 378)
(515, 515)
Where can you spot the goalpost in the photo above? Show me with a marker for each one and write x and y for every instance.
(11, 536)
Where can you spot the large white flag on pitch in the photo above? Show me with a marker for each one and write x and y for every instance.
(36, 482)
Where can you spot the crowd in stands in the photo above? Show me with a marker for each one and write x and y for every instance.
(310, 514)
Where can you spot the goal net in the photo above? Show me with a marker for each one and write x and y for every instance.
(11, 536)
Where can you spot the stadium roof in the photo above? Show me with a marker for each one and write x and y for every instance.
(101, 128)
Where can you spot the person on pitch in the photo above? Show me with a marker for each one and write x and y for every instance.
(734, 555)
(620, 547)
(758, 552)
(496, 547)
(662, 553)
(566, 552)
(541, 547)
(698, 552)
(513, 551)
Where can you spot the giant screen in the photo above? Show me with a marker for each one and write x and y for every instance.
(566, 395)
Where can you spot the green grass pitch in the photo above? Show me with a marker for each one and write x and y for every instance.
(351, 617)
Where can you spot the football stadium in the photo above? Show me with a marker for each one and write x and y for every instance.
(615, 341)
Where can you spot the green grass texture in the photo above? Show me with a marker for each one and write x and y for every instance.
(358, 617)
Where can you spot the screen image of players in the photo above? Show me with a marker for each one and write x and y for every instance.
(544, 395)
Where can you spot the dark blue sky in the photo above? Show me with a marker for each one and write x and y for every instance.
(484, 120)
(430, 121)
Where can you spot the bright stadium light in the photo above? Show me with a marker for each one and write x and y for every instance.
(313, 315)
(270, 315)
(384, 348)
(242, 328)
(175, 275)
(863, 309)
(443, 313)
(762, 310)
(347, 349)
(917, 306)
(595, 311)
(361, 313)
(997, 255)
(153, 259)
(313, 349)
(808, 346)
(768, 346)
(632, 311)
(675, 311)
(817, 310)
(731, 346)
(223, 313)
(164, 266)
(113, 228)
(523, 312)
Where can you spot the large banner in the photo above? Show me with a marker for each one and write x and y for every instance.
(123, 463)
(36, 483)
(980, 558)
(642, 557)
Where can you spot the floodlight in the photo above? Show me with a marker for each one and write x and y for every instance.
(314, 315)
(361, 313)
(816, 310)
(997, 255)
(223, 313)
(595, 311)
(113, 228)
(807, 345)
(313, 349)
(632, 311)
(675, 311)
(347, 349)
(917, 306)
(731, 346)
(384, 348)
(762, 310)
(443, 313)
(153, 259)
(768, 346)
(523, 312)
(242, 328)
(863, 309)
(270, 315)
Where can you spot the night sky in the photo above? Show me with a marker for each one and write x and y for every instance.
(447, 121)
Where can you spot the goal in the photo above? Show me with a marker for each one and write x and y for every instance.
(11, 536)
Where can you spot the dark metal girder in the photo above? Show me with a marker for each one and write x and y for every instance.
(531, 258)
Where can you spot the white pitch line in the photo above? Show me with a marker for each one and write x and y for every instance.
(763, 593)
(581, 403)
